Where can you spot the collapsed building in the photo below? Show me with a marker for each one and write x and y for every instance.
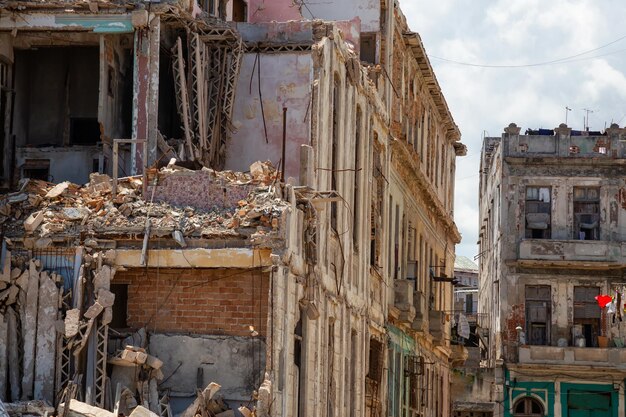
(315, 284)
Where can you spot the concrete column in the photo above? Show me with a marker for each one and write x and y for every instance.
(563, 136)
(511, 133)
(145, 91)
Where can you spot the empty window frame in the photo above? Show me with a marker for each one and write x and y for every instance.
(538, 212)
(538, 314)
(527, 407)
(587, 315)
(368, 48)
(586, 213)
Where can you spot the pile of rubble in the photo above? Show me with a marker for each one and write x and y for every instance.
(43, 213)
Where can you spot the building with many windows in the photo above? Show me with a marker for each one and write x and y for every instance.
(552, 239)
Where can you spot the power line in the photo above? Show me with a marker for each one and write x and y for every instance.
(536, 64)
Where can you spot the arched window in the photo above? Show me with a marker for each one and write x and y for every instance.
(528, 407)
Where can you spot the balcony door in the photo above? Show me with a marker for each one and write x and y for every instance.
(538, 315)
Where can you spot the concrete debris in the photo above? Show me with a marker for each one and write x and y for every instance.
(245, 411)
(140, 411)
(49, 211)
(80, 409)
(202, 402)
(23, 408)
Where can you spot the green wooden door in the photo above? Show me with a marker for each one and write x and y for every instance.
(588, 404)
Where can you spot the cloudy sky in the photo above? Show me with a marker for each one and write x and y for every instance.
(521, 32)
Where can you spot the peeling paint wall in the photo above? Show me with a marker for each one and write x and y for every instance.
(260, 11)
(285, 80)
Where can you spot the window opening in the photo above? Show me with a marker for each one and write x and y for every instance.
(538, 314)
(587, 316)
(586, 213)
(527, 407)
(538, 212)
(368, 48)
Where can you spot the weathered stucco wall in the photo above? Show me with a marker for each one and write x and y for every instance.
(285, 82)
(66, 164)
(236, 363)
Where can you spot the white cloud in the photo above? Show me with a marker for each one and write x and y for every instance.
(519, 32)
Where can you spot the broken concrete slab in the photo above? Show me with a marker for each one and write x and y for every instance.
(207, 394)
(154, 362)
(103, 277)
(105, 298)
(80, 409)
(72, 322)
(13, 354)
(29, 329)
(58, 189)
(33, 221)
(94, 311)
(107, 316)
(229, 413)
(36, 407)
(140, 411)
(46, 339)
(245, 411)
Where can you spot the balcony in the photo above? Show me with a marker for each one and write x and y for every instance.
(584, 253)
(606, 357)
(403, 301)
(437, 326)
(459, 355)
(421, 312)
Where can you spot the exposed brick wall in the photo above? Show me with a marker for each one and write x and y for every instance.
(517, 317)
(205, 301)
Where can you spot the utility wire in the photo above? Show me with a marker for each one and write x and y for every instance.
(536, 64)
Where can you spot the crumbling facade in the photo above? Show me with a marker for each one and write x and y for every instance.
(308, 285)
(551, 219)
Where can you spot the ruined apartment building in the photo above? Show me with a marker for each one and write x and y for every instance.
(551, 250)
(177, 272)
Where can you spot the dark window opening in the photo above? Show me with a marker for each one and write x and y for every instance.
(538, 212)
(527, 407)
(368, 48)
(169, 119)
(587, 315)
(37, 169)
(586, 213)
(84, 130)
(240, 11)
(56, 96)
(120, 308)
(538, 314)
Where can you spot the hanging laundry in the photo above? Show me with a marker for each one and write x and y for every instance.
(610, 308)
